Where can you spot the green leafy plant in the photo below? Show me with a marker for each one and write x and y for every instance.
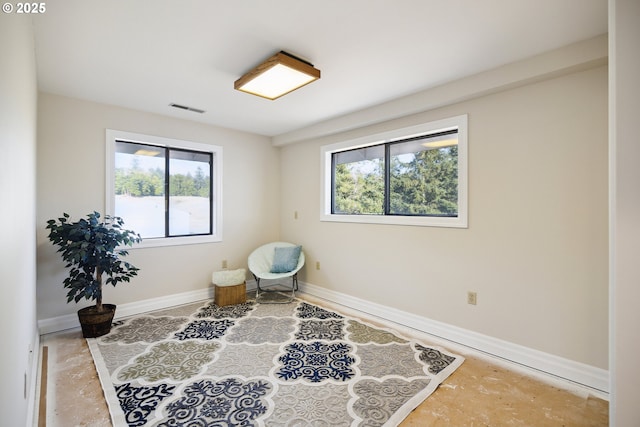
(90, 247)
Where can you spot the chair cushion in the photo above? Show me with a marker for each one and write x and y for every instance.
(285, 259)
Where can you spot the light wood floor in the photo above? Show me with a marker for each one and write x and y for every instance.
(481, 392)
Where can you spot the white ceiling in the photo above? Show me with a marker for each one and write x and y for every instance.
(146, 54)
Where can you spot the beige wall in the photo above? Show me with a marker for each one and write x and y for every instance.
(71, 178)
(624, 22)
(18, 98)
(536, 247)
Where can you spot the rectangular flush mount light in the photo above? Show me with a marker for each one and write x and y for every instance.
(277, 76)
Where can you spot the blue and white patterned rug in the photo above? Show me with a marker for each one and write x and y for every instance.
(256, 364)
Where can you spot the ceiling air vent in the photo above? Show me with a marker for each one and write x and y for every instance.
(184, 107)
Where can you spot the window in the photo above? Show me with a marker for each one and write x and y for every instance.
(409, 176)
(167, 190)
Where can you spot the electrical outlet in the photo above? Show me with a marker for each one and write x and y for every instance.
(224, 263)
(472, 298)
(295, 215)
(317, 265)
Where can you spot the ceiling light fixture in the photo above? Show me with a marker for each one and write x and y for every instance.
(442, 143)
(277, 76)
(143, 152)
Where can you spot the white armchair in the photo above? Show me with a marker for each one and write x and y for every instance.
(273, 261)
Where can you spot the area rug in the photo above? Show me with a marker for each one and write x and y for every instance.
(254, 364)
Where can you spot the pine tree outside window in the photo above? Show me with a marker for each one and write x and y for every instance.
(169, 191)
(410, 176)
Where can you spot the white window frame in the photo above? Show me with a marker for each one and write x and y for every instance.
(216, 200)
(461, 221)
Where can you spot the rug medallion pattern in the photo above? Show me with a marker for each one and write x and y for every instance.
(253, 364)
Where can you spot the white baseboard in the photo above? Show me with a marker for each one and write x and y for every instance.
(537, 362)
(70, 321)
(33, 382)
(534, 361)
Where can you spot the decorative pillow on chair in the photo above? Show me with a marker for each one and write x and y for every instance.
(285, 259)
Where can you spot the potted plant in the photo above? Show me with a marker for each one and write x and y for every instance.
(92, 249)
